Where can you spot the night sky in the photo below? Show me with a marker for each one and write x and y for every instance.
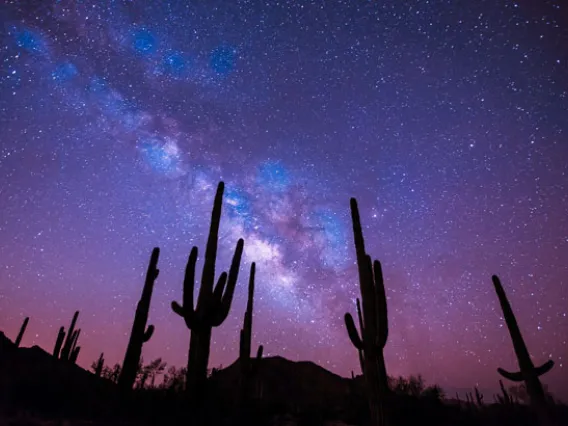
(447, 120)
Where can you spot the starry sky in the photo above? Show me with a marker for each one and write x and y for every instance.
(447, 120)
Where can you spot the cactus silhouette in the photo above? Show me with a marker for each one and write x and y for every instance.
(213, 303)
(506, 398)
(22, 331)
(140, 334)
(374, 324)
(528, 372)
(478, 397)
(99, 365)
(59, 342)
(360, 351)
(66, 344)
(249, 367)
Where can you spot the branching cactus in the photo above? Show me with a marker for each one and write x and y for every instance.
(528, 372)
(213, 303)
(22, 331)
(66, 344)
(478, 397)
(249, 367)
(374, 325)
(506, 397)
(140, 333)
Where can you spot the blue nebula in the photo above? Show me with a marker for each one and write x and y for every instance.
(64, 72)
(112, 103)
(157, 156)
(174, 63)
(29, 40)
(239, 205)
(333, 230)
(222, 59)
(144, 41)
(97, 85)
(274, 176)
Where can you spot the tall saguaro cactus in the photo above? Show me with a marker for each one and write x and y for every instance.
(528, 372)
(374, 325)
(249, 367)
(213, 302)
(140, 334)
(21, 332)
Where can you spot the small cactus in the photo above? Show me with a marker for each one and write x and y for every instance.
(21, 332)
(98, 370)
(213, 303)
(66, 344)
(249, 367)
(70, 339)
(59, 342)
(140, 334)
(506, 398)
(528, 372)
(478, 397)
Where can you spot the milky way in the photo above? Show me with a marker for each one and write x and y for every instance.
(448, 122)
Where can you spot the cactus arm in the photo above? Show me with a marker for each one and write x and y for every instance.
(233, 276)
(186, 311)
(518, 342)
(352, 332)
(259, 352)
(220, 314)
(359, 315)
(514, 377)
(250, 300)
(220, 288)
(544, 368)
(59, 342)
(148, 333)
(75, 354)
(362, 328)
(189, 281)
(208, 275)
(381, 300)
(178, 309)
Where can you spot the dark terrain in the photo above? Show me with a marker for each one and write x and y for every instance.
(36, 388)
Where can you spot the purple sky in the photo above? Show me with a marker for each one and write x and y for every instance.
(447, 121)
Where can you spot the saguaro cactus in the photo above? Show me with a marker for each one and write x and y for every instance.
(528, 372)
(374, 324)
(22, 331)
(213, 302)
(249, 367)
(140, 334)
